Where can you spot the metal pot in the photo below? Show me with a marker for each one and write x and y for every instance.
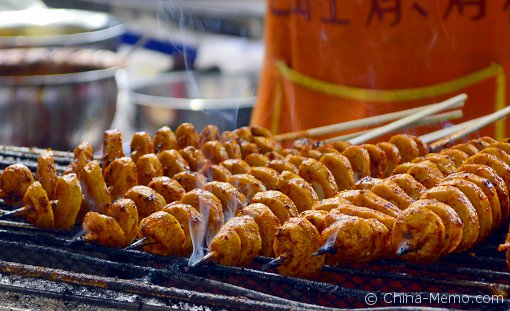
(40, 27)
(56, 97)
(225, 100)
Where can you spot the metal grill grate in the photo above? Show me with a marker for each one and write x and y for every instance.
(36, 255)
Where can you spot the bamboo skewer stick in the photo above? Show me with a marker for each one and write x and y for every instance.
(21, 211)
(433, 136)
(441, 117)
(470, 129)
(17, 212)
(409, 119)
(349, 125)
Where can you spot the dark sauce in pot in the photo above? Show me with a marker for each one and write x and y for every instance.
(42, 68)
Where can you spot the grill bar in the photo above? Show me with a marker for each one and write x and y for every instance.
(31, 165)
(174, 268)
(176, 264)
(71, 296)
(31, 153)
(139, 305)
(141, 288)
(28, 156)
(14, 224)
(151, 273)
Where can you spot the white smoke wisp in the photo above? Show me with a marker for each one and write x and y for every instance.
(197, 227)
(205, 210)
(233, 206)
(229, 212)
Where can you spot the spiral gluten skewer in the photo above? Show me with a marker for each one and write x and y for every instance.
(476, 192)
(120, 175)
(470, 203)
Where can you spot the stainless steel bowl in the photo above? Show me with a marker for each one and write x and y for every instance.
(56, 97)
(225, 100)
(39, 27)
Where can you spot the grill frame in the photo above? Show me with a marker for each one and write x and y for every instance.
(481, 271)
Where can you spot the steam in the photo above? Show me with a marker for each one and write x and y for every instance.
(197, 234)
(205, 210)
(90, 203)
(230, 211)
(232, 207)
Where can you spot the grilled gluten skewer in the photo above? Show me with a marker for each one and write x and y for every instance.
(313, 174)
(18, 187)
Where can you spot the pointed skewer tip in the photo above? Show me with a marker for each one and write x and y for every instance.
(403, 249)
(141, 242)
(204, 259)
(274, 263)
(77, 238)
(328, 248)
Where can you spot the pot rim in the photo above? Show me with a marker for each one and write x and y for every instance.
(105, 65)
(196, 104)
(111, 28)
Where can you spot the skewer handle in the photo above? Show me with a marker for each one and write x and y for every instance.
(470, 129)
(410, 119)
(433, 136)
(440, 117)
(339, 127)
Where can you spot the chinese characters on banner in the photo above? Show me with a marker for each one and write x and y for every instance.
(382, 11)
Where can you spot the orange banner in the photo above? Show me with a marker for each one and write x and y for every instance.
(386, 46)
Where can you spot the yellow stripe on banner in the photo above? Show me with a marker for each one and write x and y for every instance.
(401, 95)
(277, 108)
(500, 128)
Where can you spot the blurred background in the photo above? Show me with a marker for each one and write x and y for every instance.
(69, 69)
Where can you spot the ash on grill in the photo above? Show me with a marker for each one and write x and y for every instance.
(46, 263)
